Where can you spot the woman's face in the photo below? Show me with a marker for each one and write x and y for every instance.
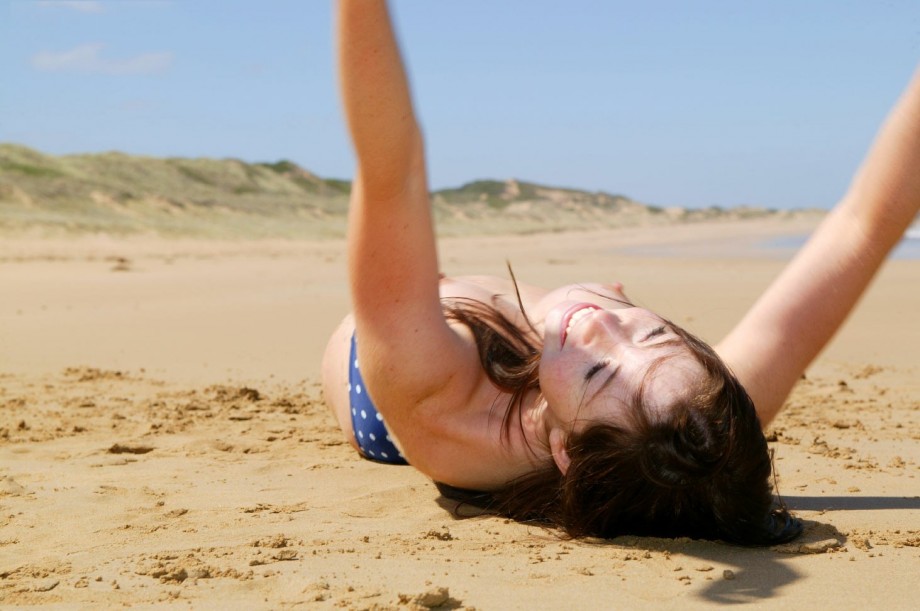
(595, 359)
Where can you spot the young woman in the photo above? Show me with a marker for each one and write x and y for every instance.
(571, 407)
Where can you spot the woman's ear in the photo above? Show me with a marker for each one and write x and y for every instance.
(557, 439)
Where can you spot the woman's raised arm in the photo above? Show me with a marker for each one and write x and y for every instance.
(803, 308)
(376, 99)
(405, 345)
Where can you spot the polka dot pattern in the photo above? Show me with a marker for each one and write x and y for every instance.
(370, 430)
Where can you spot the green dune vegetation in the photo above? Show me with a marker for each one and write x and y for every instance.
(118, 194)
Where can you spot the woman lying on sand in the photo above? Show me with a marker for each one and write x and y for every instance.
(571, 407)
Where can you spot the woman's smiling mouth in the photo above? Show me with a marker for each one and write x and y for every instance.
(572, 316)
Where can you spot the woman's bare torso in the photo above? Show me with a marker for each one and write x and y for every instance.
(478, 418)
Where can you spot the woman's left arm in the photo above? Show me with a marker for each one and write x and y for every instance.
(803, 308)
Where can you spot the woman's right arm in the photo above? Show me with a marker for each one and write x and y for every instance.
(803, 308)
(406, 349)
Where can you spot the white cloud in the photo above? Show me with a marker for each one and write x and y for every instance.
(83, 6)
(86, 59)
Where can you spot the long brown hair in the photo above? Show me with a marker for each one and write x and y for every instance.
(703, 472)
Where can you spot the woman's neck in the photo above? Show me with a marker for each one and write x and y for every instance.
(535, 423)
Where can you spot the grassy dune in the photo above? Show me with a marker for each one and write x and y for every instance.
(120, 194)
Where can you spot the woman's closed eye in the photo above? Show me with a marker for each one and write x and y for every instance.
(655, 333)
(604, 365)
(596, 368)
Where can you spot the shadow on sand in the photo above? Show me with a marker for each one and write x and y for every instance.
(757, 573)
(851, 503)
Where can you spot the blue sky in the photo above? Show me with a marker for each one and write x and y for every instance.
(672, 103)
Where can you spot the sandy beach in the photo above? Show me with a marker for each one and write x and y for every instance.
(163, 437)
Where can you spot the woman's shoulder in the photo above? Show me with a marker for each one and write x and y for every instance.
(470, 445)
(501, 293)
(449, 427)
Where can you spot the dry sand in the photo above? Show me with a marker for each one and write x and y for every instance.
(163, 438)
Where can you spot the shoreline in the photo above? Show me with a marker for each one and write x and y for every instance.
(18, 247)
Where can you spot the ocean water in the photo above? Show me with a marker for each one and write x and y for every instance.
(907, 248)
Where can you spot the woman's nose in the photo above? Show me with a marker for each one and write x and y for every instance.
(624, 322)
